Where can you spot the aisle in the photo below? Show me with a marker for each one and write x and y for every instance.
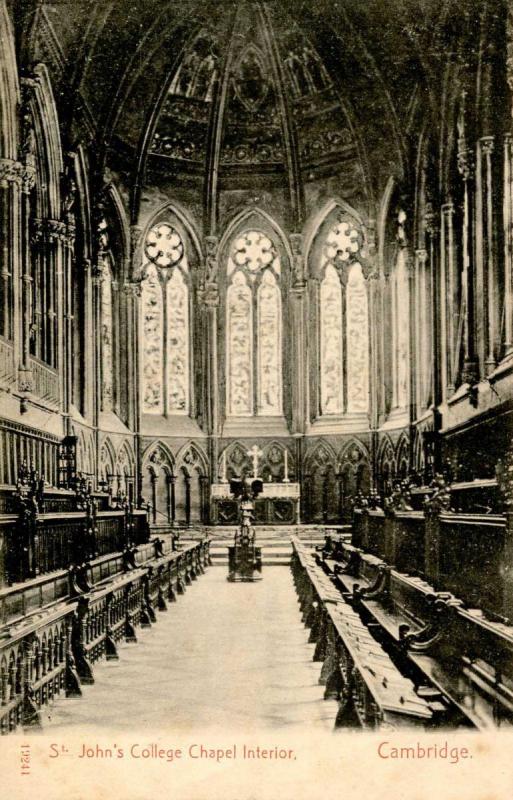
(234, 656)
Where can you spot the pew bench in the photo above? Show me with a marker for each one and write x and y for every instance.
(52, 649)
(371, 691)
(462, 653)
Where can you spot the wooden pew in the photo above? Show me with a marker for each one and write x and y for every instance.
(459, 651)
(371, 691)
(52, 650)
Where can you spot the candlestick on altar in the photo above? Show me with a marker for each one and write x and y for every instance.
(223, 468)
(286, 466)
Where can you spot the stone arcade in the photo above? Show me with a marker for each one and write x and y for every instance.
(257, 240)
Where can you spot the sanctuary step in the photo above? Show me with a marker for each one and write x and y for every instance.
(274, 541)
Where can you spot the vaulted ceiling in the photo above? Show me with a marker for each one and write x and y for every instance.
(231, 87)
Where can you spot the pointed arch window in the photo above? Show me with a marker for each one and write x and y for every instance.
(400, 332)
(343, 363)
(165, 301)
(254, 327)
(107, 336)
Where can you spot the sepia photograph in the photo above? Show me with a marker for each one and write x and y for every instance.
(256, 399)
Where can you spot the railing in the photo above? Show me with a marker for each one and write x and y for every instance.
(37, 545)
(45, 382)
(20, 445)
(7, 367)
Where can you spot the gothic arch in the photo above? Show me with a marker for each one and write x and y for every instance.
(274, 462)
(321, 495)
(166, 211)
(106, 467)
(9, 88)
(382, 221)
(254, 278)
(190, 456)
(125, 470)
(317, 220)
(254, 217)
(386, 465)
(50, 162)
(403, 456)
(348, 447)
(81, 451)
(235, 461)
(354, 472)
(191, 485)
(322, 454)
(162, 456)
(158, 475)
(120, 216)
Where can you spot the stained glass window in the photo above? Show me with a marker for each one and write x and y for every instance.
(357, 341)
(269, 345)
(240, 347)
(107, 334)
(254, 322)
(343, 323)
(165, 324)
(153, 361)
(331, 343)
(401, 323)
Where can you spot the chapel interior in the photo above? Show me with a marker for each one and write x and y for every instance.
(243, 241)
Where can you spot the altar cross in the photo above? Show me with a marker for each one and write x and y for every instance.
(255, 453)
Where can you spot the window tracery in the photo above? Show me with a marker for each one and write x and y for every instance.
(165, 323)
(343, 321)
(107, 336)
(254, 327)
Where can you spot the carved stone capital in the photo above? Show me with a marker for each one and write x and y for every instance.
(298, 262)
(49, 230)
(25, 380)
(487, 145)
(448, 209)
(135, 238)
(209, 295)
(28, 178)
(10, 172)
(466, 163)
(30, 81)
(421, 257)
(132, 289)
(211, 262)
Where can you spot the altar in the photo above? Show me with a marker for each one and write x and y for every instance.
(277, 504)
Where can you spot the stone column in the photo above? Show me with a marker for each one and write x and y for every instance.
(68, 255)
(486, 148)
(132, 293)
(298, 344)
(11, 174)
(25, 373)
(449, 281)
(420, 339)
(468, 283)
(507, 217)
(209, 297)
(436, 297)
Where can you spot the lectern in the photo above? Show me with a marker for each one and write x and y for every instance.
(244, 558)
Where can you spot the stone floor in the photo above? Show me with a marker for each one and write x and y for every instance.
(227, 656)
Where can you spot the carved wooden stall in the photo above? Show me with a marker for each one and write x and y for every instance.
(50, 650)
(460, 657)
